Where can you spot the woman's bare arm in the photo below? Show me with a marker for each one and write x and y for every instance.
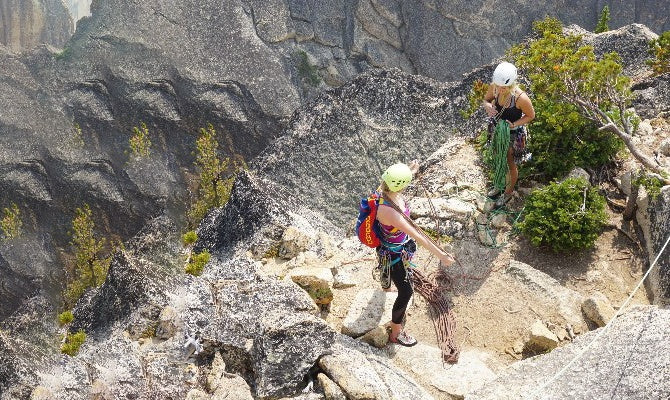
(389, 216)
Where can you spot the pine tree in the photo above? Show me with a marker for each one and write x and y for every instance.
(603, 21)
(90, 269)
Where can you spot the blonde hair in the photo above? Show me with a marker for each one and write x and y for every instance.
(384, 188)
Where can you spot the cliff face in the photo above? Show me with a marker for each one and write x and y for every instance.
(27, 23)
(243, 66)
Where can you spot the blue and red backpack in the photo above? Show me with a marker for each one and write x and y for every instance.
(367, 226)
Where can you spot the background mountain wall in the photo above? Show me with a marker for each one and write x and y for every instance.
(27, 23)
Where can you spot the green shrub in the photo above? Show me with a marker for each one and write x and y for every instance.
(65, 317)
(651, 184)
(306, 70)
(603, 21)
(197, 263)
(659, 48)
(77, 136)
(189, 238)
(561, 139)
(140, 144)
(11, 224)
(565, 216)
(216, 176)
(90, 267)
(72, 343)
(475, 98)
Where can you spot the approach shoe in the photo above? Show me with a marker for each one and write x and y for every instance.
(493, 193)
(503, 199)
(404, 339)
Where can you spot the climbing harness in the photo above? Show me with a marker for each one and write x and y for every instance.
(389, 255)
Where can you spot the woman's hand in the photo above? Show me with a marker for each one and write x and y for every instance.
(414, 166)
(490, 109)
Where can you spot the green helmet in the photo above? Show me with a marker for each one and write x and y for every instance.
(397, 177)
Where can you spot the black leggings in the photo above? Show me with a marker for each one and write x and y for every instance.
(401, 281)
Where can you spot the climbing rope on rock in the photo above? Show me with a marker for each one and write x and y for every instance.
(432, 288)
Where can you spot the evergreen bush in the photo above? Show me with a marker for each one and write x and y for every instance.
(65, 317)
(562, 135)
(197, 263)
(72, 343)
(566, 215)
(603, 21)
(659, 49)
(90, 267)
(11, 224)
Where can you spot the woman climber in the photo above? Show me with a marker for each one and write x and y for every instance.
(505, 101)
(399, 236)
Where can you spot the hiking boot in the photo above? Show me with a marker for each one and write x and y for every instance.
(493, 193)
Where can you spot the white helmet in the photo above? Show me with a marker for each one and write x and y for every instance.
(504, 74)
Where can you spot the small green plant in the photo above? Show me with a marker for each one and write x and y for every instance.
(77, 136)
(64, 54)
(566, 215)
(650, 183)
(197, 263)
(475, 98)
(65, 317)
(90, 268)
(306, 70)
(216, 176)
(72, 343)
(140, 144)
(11, 222)
(603, 20)
(320, 294)
(659, 49)
(150, 331)
(273, 250)
(189, 238)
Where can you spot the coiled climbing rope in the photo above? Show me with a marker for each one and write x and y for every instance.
(499, 148)
(432, 288)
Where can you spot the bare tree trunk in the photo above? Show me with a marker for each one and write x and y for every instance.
(647, 161)
(631, 203)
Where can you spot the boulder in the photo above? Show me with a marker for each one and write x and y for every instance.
(369, 309)
(540, 338)
(377, 337)
(568, 301)
(293, 241)
(363, 375)
(598, 309)
(330, 389)
(470, 373)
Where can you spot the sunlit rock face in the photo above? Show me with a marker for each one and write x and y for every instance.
(27, 23)
(78, 9)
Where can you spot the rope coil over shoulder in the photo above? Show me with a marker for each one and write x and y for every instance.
(500, 146)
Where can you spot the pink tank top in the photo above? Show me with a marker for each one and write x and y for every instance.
(391, 234)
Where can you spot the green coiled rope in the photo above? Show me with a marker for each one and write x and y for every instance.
(500, 145)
